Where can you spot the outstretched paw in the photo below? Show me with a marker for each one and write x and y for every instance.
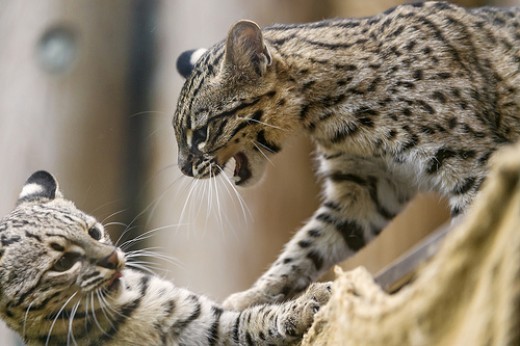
(299, 314)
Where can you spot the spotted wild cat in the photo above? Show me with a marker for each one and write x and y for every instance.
(417, 98)
(63, 282)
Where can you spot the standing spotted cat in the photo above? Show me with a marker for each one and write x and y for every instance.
(417, 98)
(63, 282)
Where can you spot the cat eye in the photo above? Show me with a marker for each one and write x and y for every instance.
(66, 261)
(95, 233)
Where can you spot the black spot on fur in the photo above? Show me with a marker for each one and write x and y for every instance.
(342, 133)
(464, 186)
(426, 106)
(427, 130)
(264, 143)
(444, 75)
(314, 233)
(352, 233)
(418, 74)
(316, 259)
(439, 158)
(455, 211)
(346, 177)
(452, 122)
(304, 243)
(439, 96)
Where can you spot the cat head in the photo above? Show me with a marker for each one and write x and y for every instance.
(228, 107)
(51, 253)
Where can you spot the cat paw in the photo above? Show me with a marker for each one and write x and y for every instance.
(298, 315)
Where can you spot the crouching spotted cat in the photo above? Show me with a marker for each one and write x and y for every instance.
(415, 99)
(62, 282)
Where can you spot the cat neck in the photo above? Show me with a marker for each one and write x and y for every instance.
(321, 80)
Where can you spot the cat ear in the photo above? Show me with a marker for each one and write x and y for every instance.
(41, 185)
(246, 52)
(186, 61)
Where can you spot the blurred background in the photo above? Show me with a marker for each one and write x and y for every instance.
(87, 92)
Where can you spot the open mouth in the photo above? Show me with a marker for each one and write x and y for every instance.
(242, 171)
(113, 283)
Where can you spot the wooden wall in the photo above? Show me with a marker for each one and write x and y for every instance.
(63, 104)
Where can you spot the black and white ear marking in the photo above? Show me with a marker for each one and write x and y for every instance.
(186, 61)
(40, 185)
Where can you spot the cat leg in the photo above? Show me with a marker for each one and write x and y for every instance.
(356, 209)
(276, 324)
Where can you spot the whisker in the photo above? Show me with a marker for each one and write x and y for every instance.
(261, 147)
(56, 318)
(187, 200)
(146, 264)
(25, 320)
(146, 235)
(112, 215)
(87, 317)
(124, 233)
(96, 321)
(100, 207)
(212, 192)
(153, 206)
(107, 310)
(149, 113)
(156, 255)
(70, 333)
(114, 223)
(266, 124)
(105, 307)
(141, 267)
(246, 212)
(214, 189)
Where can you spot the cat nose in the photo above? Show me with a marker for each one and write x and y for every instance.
(187, 169)
(185, 162)
(110, 262)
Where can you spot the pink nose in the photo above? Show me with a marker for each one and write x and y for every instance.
(109, 262)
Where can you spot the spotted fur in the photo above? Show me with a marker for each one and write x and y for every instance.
(63, 282)
(417, 98)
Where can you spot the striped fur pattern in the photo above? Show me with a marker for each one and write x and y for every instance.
(63, 282)
(417, 98)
